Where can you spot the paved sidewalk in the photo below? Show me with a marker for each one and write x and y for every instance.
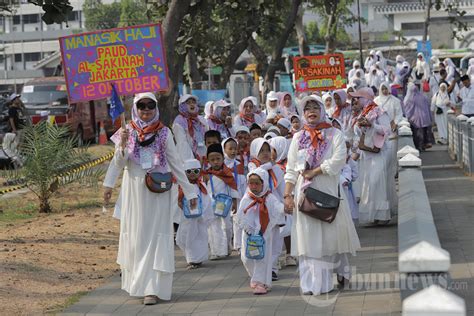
(451, 196)
(222, 288)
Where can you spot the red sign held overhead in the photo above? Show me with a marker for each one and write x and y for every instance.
(322, 72)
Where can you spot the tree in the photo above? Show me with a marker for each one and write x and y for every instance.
(336, 15)
(171, 14)
(455, 16)
(301, 34)
(55, 11)
(131, 13)
(274, 30)
(100, 16)
(48, 152)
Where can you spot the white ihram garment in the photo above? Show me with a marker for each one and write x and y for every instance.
(146, 247)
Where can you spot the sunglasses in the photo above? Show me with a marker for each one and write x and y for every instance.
(148, 105)
(195, 171)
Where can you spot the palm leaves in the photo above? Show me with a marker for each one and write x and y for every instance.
(48, 152)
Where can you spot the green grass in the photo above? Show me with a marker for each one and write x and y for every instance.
(71, 300)
(12, 212)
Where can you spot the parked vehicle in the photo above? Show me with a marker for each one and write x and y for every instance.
(46, 99)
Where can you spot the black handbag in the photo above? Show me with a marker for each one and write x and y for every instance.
(439, 110)
(320, 205)
(158, 182)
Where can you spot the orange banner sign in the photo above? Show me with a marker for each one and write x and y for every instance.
(322, 72)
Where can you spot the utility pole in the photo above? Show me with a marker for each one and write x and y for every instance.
(428, 4)
(360, 37)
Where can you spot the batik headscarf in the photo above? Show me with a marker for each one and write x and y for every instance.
(314, 137)
(190, 122)
(141, 133)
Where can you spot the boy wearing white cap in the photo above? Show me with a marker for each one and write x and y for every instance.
(284, 125)
(192, 236)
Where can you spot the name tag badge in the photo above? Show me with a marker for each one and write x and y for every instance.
(146, 158)
(301, 160)
(220, 207)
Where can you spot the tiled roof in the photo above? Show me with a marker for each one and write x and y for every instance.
(415, 6)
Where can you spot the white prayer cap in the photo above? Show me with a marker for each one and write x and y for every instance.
(272, 96)
(192, 164)
(285, 123)
(145, 95)
(269, 135)
(242, 128)
(221, 103)
(186, 97)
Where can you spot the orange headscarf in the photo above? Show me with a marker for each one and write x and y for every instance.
(368, 108)
(225, 174)
(315, 133)
(153, 128)
(262, 209)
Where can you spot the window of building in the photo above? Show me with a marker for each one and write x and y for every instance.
(18, 58)
(16, 19)
(412, 26)
(32, 56)
(364, 11)
(30, 18)
(73, 16)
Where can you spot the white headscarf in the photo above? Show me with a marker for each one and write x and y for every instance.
(281, 146)
(255, 148)
(313, 97)
(328, 95)
(244, 100)
(263, 175)
(272, 96)
(226, 158)
(208, 109)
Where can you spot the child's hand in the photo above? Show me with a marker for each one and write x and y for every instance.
(234, 206)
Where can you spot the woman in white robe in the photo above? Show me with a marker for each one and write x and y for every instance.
(316, 157)
(253, 219)
(247, 116)
(189, 128)
(374, 124)
(441, 100)
(392, 106)
(355, 66)
(329, 105)
(450, 69)
(470, 69)
(146, 247)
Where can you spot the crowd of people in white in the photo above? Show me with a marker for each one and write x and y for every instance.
(242, 183)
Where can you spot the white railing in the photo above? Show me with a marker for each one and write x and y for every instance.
(422, 263)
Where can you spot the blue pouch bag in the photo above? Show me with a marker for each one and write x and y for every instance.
(192, 213)
(222, 204)
(255, 247)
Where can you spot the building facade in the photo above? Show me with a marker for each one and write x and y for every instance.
(27, 43)
(390, 19)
